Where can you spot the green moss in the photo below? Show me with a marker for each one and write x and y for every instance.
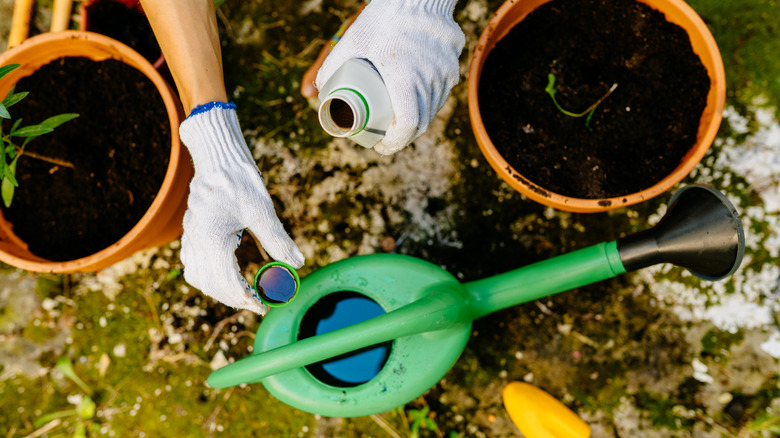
(146, 387)
(670, 412)
(717, 343)
(50, 285)
(38, 333)
(748, 35)
(369, 426)
(743, 408)
(23, 400)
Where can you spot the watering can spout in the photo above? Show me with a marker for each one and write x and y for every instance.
(701, 232)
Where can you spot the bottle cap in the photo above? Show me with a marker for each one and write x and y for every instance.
(277, 283)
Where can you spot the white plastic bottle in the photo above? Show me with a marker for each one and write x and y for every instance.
(354, 103)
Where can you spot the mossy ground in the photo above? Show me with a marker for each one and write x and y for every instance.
(625, 354)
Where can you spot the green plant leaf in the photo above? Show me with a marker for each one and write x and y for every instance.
(13, 98)
(31, 131)
(10, 150)
(66, 368)
(7, 190)
(550, 90)
(55, 121)
(173, 274)
(15, 125)
(10, 172)
(80, 431)
(766, 422)
(4, 112)
(419, 418)
(4, 70)
(9, 184)
(86, 408)
(43, 419)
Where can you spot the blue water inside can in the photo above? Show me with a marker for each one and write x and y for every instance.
(335, 311)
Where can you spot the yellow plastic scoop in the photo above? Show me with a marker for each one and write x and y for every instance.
(539, 415)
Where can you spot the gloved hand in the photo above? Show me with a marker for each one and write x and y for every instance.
(414, 45)
(227, 195)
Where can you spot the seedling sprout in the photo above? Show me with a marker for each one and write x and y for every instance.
(550, 89)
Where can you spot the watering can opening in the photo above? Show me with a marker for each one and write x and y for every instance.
(334, 311)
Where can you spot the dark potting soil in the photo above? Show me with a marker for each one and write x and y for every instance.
(119, 147)
(637, 135)
(125, 24)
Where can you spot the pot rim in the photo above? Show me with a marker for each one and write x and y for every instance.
(156, 226)
(703, 43)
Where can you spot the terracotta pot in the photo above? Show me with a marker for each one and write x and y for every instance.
(130, 4)
(162, 221)
(703, 44)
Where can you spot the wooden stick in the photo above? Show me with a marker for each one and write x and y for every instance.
(20, 24)
(60, 16)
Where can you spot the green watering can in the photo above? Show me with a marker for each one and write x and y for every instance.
(371, 333)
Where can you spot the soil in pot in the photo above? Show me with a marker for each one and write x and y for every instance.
(123, 23)
(119, 147)
(636, 136)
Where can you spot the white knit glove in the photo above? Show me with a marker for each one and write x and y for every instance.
(414, 45)
(227, 195)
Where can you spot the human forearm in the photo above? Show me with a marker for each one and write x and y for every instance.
(187, 33)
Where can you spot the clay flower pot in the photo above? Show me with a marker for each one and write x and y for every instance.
(161, 222)
(122, 20)
(676, 12)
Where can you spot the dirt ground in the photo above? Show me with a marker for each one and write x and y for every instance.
(656, 353)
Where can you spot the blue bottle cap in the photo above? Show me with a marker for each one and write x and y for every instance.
(277, 283)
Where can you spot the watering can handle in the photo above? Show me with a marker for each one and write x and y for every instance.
(435, 311)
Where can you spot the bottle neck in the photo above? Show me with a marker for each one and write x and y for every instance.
(344, 113)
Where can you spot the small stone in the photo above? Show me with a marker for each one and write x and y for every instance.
(388, 243)
(120, 350)
(218, 361)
